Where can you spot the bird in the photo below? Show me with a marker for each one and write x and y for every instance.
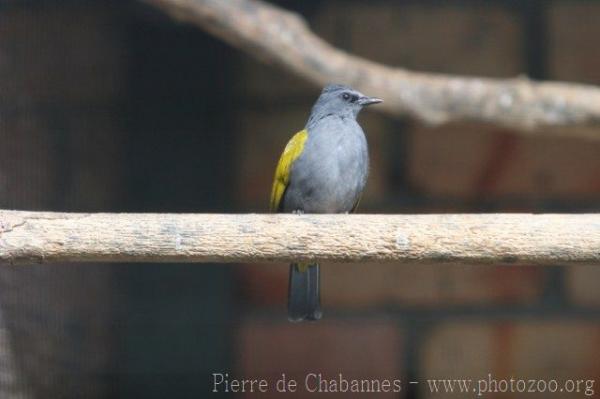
(322, 169)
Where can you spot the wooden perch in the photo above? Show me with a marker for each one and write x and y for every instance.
(42, 237)
(275, 35)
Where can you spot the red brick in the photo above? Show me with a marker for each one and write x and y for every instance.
(458, 350)
(447, 160)
(367, 349)
(553, 168)
(582, 285)
(557, 349)
(368, 285)
(573, 31)
(459, 39)
(263, 284)
(471, 161)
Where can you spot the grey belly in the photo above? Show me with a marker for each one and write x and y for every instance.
(327, 185)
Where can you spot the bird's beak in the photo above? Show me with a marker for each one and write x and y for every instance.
(364, 100)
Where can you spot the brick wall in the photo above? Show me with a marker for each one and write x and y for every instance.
(452, 321)
(576, 57)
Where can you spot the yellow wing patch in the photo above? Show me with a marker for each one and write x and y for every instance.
(292, 151)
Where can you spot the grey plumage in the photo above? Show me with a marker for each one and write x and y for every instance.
(331, 172)
(304, 295)
(328, 177)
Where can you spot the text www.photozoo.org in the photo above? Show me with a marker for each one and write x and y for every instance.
(320, 383)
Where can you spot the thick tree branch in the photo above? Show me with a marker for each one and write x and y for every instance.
(275, 35)
(27, 237)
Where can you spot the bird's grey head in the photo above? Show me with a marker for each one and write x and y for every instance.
(340, 100)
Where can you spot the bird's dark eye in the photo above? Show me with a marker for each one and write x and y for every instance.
(346, 96)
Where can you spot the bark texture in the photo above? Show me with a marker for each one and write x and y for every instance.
(44, 237)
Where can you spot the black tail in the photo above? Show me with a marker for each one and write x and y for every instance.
(304, 298)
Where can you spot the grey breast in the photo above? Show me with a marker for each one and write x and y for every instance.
(332, 171)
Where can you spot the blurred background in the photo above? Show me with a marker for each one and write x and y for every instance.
(111, 106)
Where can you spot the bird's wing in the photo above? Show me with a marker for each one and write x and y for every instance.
(292, 151)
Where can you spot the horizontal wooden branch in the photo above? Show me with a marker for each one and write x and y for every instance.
(272, 34)
(42, 237)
